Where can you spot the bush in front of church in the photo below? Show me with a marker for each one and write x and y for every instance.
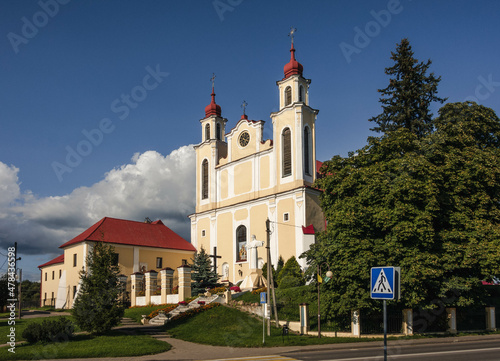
(203, 275)
(289, 282)
(291, 269)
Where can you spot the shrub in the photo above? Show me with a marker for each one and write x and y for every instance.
(49, 330)
(289, 282)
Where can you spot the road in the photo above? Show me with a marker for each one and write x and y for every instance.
(486, 350)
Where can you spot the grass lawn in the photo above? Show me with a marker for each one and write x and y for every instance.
(114, 344)
(224, 326)
(137, 312)
(22, 324)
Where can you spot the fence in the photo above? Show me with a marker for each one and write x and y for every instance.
(471, 319)
(373, 323)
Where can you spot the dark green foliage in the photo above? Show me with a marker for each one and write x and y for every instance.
(291, 269)
(4, 290)
(289, 282)
(279, 266)
(432, 208)
(49, 331)
(410, 92)
(203, 274)
(97, 308)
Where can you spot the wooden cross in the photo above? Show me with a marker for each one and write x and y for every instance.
(244, 105)
(214, 256)
(292, 31)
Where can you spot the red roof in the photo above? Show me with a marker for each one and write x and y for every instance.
(58, 259)
(120, 231)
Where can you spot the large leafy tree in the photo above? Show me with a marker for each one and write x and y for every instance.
(203, 274)
(407, 98)
(431, 208)
(98, 308)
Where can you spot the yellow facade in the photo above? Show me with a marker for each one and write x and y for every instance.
(60, 292)
(256, 179)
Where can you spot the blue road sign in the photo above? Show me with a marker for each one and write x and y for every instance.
(384, 283)
(263, 298)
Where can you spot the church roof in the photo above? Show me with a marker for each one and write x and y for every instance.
(132, 233)
(58, 259)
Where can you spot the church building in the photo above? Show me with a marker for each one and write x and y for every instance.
(243, 179)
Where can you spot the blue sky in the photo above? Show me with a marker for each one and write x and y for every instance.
(67, 66)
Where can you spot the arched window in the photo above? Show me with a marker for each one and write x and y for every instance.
(204, 179)
(207, 132)
(288, 96)
(218, 132)
(286, 141)
(307, 161)
(241, 243)
(301, 94)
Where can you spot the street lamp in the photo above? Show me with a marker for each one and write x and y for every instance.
(329, 275)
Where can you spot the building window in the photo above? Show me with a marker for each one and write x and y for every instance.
(207, 132)
(203, 233)
(286, 217)
(204, 179)
(288, 96)
(74, 260)
(45, 297)
(74, 292)
(53, 275)
(307, 162)
(286, 140)
(159, 262)
(114, 259)
(184, 262)
(45, 276)
(52, 295)
(301, 93)
(219, 136)
(241, 243)
(60, 273)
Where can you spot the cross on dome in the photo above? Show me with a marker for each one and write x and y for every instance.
(212, 108)
(292, 31)
(244, 105)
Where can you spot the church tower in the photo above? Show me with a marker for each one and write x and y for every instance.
(294, 130)
(243, 180)
(208, 153)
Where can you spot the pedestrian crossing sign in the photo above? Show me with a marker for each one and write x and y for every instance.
(384, 283)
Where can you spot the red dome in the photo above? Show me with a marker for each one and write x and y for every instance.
(293, 67)
(212, 108)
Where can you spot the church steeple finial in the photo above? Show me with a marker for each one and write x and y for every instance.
(212, 108)
(293, 67)
(244, 106)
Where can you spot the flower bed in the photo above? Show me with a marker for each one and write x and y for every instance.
(217, 290)
(183, 303)
(201, 302)
(235, 289)
(194, 311)
(166, 309)
(256, 292)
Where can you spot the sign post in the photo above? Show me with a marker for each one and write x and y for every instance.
(384, 285)
(263, 300)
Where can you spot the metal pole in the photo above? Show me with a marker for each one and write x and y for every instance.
(19, 291)
(263, 325)
(385, 330)
(268, 301)
(319, 309)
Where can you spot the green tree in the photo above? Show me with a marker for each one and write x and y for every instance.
(97, 308)
(407, 98)
(291, 269)
(432, 209)
(203, 274)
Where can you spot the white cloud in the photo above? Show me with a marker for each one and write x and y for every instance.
(152, 185)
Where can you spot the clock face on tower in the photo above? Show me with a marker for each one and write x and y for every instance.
(244, 139)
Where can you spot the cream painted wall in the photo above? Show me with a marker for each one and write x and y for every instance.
(49, 285)
(286, 230)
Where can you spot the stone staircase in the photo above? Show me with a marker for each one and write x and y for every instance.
(163, 318)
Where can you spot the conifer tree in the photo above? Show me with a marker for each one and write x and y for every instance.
(407, 98)
(203, 274)
(97, 307)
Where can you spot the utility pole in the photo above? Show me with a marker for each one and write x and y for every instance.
(269, 275)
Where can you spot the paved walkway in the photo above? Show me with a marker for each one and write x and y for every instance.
(185, 351)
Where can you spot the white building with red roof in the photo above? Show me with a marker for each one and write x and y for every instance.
(139, 247)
